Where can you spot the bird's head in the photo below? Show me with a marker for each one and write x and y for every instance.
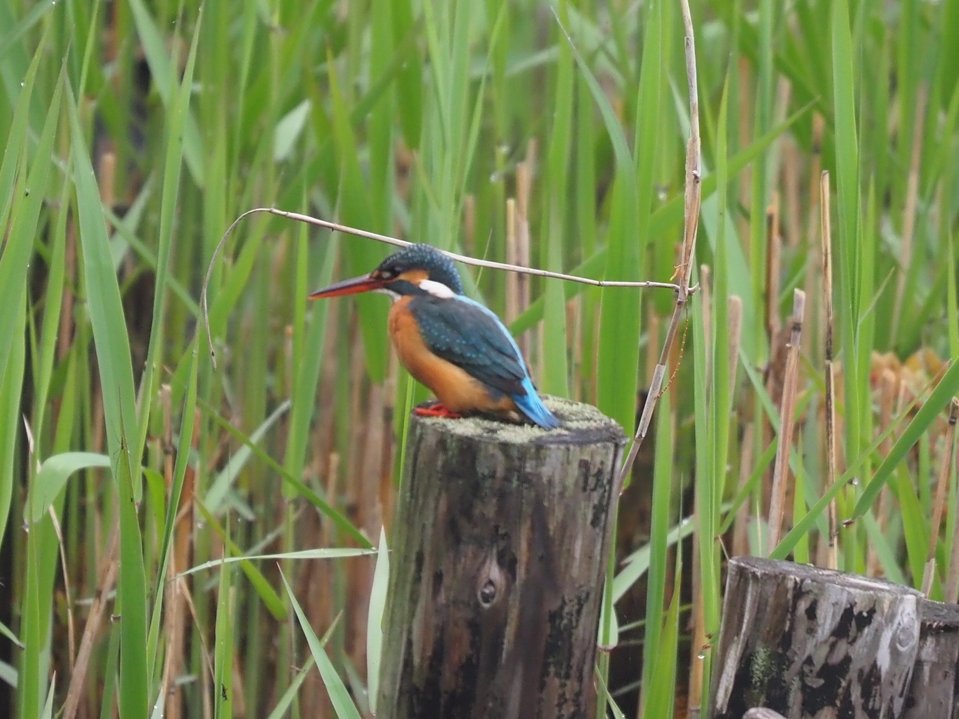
(416, 269)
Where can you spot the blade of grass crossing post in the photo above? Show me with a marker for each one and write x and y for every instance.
(339, 696)
(374, 629)
(116, 379)
(282, 708)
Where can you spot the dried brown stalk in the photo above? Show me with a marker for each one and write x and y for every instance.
(734, 317)
(832, 469)
(773, 268)
(740, 543)
(524, 189)
(777, 503)
(890, 397)
(910, 209)
(91, 631)
(512, 279)
(939, 508)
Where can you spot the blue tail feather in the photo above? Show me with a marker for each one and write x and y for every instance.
(530, 404)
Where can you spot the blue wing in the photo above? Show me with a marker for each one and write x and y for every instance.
(470, 336)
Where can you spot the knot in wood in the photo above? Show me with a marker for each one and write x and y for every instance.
(906, 626)
(487, 593)
(489, 584)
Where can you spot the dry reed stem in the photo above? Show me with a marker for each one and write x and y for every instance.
(832, 463)
(512, 279)
(815, 176)
(939, 504)
(740, 543)
(173, 624)
(694, 695)
(909, 210)
(734, 315)
(524, 189)
(792, 170)
(777, 503)
(524, 181)
(91, 630)
(67, 592)
(773, 268)
(692, 199)
(735, 318)
(889, 395)
(208, 679)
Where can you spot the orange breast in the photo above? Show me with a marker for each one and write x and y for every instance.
(452, 385)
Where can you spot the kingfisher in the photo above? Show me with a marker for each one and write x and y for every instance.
(452, 344)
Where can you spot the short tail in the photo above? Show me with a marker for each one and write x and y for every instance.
(533, 408)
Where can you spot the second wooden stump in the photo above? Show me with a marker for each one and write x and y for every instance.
(811, 643)
(499, 550)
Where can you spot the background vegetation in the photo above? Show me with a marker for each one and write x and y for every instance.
(545, 133)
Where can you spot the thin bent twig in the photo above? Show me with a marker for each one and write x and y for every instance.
(476, 262)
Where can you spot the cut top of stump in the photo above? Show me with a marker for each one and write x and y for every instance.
(580, 424)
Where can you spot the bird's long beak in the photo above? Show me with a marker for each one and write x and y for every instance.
(348, 287)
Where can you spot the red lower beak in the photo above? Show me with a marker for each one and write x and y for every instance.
(348, 287)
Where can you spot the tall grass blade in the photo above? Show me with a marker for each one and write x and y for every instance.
(116, 381)
(342, 702)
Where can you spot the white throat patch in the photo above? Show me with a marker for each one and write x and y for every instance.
(437, 289)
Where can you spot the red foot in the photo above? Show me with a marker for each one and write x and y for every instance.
(435, 409)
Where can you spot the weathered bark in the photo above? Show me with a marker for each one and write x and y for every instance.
(500, 546)
(762, 713)
(933, 688)
(815, 643)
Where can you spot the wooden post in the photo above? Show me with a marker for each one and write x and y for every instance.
(934, 684)
(810, 642)
(496, 569)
